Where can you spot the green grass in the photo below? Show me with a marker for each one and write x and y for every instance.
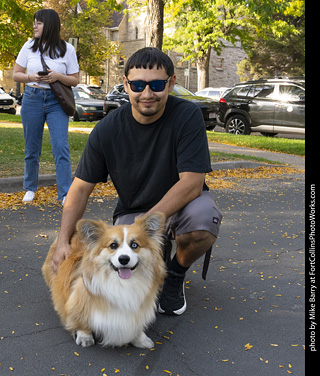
(276, 144)
(12, 146)
(12, 151)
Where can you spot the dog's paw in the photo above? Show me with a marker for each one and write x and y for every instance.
(142, 341)
(84, 339)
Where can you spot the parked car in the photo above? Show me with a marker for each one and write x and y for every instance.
(87, 107)
(269, 106)
(7, 103)
(212, 92)
(93, 90)
(209, 107)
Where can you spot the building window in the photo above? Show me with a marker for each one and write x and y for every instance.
(178, 61)
(219, 63)
(137, 33)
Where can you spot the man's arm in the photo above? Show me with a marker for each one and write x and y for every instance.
(188, 188)
(74, 207)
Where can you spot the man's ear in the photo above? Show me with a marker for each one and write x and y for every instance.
(172, 82)
(125, 84)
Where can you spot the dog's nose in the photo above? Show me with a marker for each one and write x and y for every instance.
(124, 259)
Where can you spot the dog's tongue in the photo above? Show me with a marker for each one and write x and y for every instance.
(125, 273)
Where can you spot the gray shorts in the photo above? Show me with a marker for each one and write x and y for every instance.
(200, 214)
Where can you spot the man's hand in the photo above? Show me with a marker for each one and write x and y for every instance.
(73, 209)
(60, 254)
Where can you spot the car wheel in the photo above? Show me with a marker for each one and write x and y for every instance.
(238, 124)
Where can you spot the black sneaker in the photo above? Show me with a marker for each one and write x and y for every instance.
(172, 299)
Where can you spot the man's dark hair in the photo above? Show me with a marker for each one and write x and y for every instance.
(149, 57)
(50, 40)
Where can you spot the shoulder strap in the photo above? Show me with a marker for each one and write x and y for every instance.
(45, 66)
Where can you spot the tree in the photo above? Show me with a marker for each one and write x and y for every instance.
(16, 17)
(201, 25)
(274, 56)
(87, 21)
(154, 23)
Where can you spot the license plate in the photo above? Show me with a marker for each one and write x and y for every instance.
(212, 115)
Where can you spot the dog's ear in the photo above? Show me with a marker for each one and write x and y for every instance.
(90, 231)
(153, 223)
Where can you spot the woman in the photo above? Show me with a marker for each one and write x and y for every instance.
(39, 105)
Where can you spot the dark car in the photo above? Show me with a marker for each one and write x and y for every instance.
(269, 106)
(87, 107)
(209, 107)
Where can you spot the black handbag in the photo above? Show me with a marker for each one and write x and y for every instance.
(62, 92)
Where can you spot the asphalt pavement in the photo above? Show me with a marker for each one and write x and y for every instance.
(246, 319)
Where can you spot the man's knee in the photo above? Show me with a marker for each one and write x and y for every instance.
(196, 239)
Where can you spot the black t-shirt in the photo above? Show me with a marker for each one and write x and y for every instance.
(144, 161)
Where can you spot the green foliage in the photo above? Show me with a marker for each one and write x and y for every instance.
(16, 17)
(199, 25)
(278, 55)
(87, 24)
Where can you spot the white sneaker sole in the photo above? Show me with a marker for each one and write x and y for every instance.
(178, 311)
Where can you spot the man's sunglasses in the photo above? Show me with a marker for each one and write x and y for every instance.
(156, 85)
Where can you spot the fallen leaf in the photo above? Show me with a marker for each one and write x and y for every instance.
(247, 346)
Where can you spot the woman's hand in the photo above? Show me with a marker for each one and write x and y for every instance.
(52, 76)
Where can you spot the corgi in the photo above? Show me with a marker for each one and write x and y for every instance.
(106, 289)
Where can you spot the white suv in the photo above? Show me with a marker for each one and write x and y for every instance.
(7, 103)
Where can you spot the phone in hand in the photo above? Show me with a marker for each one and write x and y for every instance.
(43, 73)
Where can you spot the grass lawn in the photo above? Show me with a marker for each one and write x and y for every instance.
(12, 151)
(276, 144)
(12, 146)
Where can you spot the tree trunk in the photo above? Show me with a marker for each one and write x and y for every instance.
(154, 24)
(203, 69)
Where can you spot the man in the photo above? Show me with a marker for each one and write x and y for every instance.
(155, 150)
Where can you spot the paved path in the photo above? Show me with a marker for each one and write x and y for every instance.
(246, 319)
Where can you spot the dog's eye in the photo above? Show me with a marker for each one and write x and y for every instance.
(113, 246)
(134, 245)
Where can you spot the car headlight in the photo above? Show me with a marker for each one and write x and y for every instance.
(88, 108)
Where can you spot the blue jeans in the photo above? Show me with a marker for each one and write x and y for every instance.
(40, 106)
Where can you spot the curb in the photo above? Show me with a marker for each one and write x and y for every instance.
(15, 184)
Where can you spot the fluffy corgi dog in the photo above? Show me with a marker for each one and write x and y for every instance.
(107, 287)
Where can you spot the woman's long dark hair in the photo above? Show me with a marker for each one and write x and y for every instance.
(50, 40)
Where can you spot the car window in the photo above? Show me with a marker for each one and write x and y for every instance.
(241, 91)
(2, 91)
(214, 93)
(121, 89)
(291, 93)
(180, 91)
(264, 91)
(82, 95)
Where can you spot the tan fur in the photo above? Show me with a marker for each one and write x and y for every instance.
(88, 294)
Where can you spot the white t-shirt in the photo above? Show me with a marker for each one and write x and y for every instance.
(68, 64)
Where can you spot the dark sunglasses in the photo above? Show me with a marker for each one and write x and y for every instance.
(156, 85)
